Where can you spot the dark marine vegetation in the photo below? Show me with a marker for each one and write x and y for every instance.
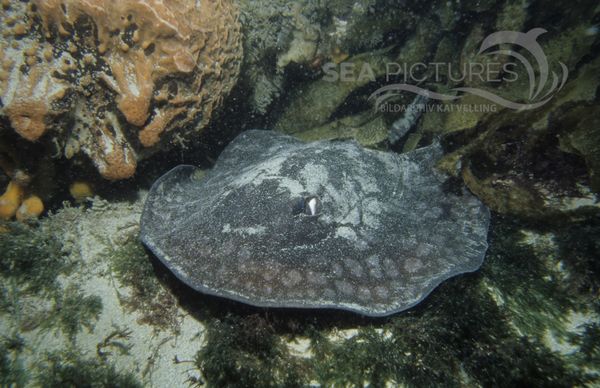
(489, 328)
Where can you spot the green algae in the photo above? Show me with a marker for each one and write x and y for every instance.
(71, 369)
(131, 266)
(133, 269)
(246, 353)
(32, 259)
(73, 311)
(67, 368)
(12, 370)
(31, 263)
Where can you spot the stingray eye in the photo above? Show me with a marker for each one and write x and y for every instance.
(309, 206)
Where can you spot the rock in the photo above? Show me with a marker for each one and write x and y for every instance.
(111, 79)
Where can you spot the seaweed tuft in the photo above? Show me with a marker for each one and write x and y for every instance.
(73, 310)
(133, 268)
(71, 369)
(12, 370)
(32, 258)
(246, 352)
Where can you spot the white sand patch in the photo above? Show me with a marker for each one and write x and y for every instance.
(299, 347)
(342, 335)
(573, 324)
(153, 353)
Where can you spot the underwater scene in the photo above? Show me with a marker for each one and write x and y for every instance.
(310, 193)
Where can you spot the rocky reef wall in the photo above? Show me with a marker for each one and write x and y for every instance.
(114, 80)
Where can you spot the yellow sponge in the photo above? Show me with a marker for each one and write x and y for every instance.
(31, 207)
(81, 190)
(10, 200)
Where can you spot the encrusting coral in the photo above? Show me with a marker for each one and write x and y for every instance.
(111, 78)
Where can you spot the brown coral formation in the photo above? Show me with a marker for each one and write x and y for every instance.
(112, 78)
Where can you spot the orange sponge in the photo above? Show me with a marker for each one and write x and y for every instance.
(81, 190)
(10, 200)
(31, 207)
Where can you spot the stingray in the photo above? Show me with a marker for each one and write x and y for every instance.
(278, 222)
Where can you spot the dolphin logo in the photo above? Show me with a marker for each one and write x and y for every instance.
(525, 40)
